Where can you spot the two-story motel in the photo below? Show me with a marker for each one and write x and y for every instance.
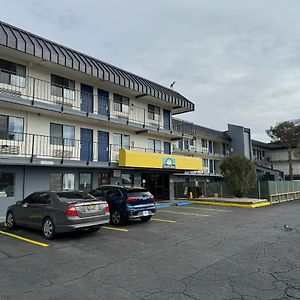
(70, 121)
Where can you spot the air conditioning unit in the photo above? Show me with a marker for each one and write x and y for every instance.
(60, 153)
(8, 149)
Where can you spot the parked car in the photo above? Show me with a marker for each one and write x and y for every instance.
(126, 202)
(55, 212)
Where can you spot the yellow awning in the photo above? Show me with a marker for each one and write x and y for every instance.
(138, 159)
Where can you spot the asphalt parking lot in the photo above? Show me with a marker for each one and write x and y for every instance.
(189, 252)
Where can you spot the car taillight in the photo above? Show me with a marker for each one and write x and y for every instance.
(106, 209)
(130, 199)
(71, 211)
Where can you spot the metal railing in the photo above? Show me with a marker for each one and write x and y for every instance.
(198, 151)
(25, 145)
(40, 91)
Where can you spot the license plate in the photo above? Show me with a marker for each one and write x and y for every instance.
(91, 207)
(145, 213)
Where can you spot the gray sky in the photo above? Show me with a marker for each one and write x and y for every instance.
(237, 60)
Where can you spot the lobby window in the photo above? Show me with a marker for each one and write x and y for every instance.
(62, 182)
(153, 112)
(127, 179)
(121, 103)
(62, 87)
(85, 181)
(11, 128)
(62, 134)
(154, 145)
(7, 185)
(12, 73)
(103, 178)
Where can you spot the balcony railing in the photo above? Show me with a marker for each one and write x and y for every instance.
(197, 151)
(33, 146)
(39, 91)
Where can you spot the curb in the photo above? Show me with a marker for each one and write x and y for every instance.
(234, 204)
(183, 203)
(160, 206)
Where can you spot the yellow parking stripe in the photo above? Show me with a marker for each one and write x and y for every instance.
(163, 220)
(24, 239)
(202, 208)
(113, 228)
(184, 213)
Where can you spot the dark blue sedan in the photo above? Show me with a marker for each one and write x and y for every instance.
(126, 203)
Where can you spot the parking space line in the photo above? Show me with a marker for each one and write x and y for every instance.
(113, 228)
(24, 239)
(202, 208)
(163, 220)
(184, 213)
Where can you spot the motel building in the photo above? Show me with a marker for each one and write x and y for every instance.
(69, 121)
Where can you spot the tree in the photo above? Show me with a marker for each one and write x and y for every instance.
(288, 134)
(239, 174)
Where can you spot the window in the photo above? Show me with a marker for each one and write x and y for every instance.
(7, 184)
(121, 141)
(62, 133)
(31, 199)
(204, 143)
(103, 178)
(60, 182)
(85, 181)
(62, 87)
(12, 73)
(11, 128)
(121, 103)
(154, 145)
(205, 163)
(153, 112)
(127, 179)
(43, 199)
(167, 147)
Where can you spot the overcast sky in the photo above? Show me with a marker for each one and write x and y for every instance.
(237, 60)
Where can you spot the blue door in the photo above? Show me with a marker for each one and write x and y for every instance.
(87, 100)
(86, 144)
(167, 124)
(103, 104)
(167, 147)
(103, 146)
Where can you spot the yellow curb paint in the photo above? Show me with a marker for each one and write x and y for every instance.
(184, 213)
(113, 228)
(241, 205)
(24, 239)
(163, 220)
(202, 208)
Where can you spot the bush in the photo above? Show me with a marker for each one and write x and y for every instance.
(239, 174)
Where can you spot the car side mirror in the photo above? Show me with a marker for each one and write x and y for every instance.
(19, 203)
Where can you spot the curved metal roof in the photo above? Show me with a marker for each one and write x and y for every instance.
(26, 42)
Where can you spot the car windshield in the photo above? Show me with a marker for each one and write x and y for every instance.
(67, 196)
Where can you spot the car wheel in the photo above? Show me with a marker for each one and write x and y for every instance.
(10, 220)
(146, 219)
(48, 229)
(116, 217)
(94, 229)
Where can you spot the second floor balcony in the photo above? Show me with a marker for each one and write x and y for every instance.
(26, 148)
(84, 102)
